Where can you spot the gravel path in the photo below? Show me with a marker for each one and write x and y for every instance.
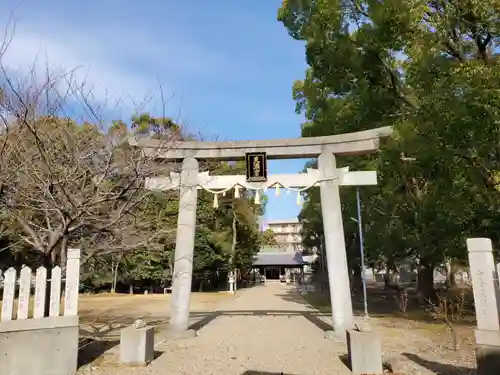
(265, 330)
(248, 337)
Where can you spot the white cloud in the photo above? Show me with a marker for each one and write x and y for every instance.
(100, 73)
(114, 62)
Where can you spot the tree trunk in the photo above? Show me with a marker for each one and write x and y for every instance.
(387, 281)
(47, 262)
(391, 282)
(233, 249)
(171, 267)
(131, 289)
(451, 281)
(63, 256)
(115, 277)
(113, 287)
(357, 282)
(114, 272)
(390, 279)
(425, 286)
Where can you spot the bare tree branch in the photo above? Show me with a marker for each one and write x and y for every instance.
(80, 184)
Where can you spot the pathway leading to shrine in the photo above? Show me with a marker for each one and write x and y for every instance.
(267, 329)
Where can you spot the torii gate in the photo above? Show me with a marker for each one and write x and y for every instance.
(327, 176)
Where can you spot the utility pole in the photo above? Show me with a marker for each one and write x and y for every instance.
(362, 252)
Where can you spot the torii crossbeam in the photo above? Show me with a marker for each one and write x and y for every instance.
(294, 180)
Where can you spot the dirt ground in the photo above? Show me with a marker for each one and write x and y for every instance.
(414, 342)
(413, 337)
(411, 341)
(103, 315)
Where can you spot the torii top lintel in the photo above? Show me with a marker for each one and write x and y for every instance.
(356, 143)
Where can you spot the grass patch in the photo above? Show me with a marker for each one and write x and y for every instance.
(320, 301)
(126, 302)
(384, 313)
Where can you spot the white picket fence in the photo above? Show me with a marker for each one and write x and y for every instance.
(71, 290)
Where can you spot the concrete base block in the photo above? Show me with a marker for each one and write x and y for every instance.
(487, 351)
(488, 359)
(137, 345)
(364, 352)
(46, 346)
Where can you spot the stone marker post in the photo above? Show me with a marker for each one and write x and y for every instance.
(364, 352)
(231, 282)
(137, 344)
(483, 275)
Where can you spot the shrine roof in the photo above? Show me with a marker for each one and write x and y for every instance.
(279, 259)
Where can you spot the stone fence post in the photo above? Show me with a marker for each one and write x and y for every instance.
(483, 274)
(485, 290)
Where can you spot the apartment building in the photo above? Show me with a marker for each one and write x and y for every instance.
(287, 234)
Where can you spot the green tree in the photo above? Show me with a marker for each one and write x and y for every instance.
(268, 238)
(235, 221)
(429, 69)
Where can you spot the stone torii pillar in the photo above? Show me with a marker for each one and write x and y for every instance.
(184, 248)
(336, 257)
(325, 148)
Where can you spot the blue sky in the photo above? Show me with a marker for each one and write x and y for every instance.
(226, 68)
